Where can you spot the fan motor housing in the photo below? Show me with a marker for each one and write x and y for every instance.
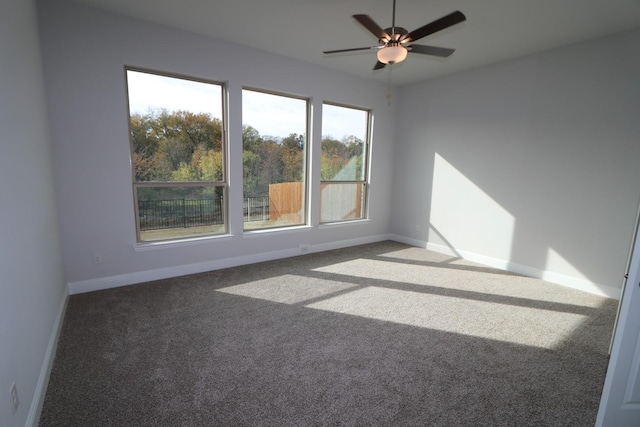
(395, 33)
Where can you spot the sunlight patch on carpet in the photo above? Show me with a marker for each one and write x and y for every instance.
(287, 289)
(518, 325)
(459, 277)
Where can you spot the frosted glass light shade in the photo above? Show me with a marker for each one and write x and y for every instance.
(392, 54)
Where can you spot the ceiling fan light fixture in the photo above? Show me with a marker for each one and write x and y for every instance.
(392, 54)
(395, 42)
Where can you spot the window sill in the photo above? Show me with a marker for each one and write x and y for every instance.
(343, 223)
(294, 229)
(167, 244)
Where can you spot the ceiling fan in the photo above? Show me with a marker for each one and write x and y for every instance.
(396, 42)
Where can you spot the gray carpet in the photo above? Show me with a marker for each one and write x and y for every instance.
(382, 334)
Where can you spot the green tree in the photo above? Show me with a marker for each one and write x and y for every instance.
(250, 168)
(184, 173)
(176, 146)
(292, 157)
(209, 165)
(334, 157)
(293, 142)
(144, 144)
(251, 138)
(342, 160)
(174, 152)
(271, 166)
(199, 129)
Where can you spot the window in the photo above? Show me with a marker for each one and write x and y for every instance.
(344, 163)
(177, 130)
(274, 158)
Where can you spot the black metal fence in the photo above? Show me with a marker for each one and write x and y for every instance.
(183, 213)
(256, 208)
(158, 214)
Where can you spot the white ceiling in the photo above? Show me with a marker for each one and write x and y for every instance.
(495, 30)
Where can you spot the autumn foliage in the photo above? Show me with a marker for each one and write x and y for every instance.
(182, 146)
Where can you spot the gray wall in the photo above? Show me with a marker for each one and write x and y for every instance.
(530, 165)
(85, 51)
(33, 286)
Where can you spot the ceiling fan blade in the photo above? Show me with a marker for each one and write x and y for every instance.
(431, 50)
(379, 65)
(353, 49)
(437, 25)
(369, 24)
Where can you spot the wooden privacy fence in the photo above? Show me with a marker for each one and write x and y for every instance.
(285, 201)
(341, 201)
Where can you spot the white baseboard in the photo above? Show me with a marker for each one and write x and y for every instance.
(408, 240)
(549, 276)
(183, 270)
(33, 418)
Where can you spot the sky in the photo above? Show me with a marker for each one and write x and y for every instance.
(271, 115)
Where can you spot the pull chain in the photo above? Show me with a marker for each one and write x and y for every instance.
(389, 85)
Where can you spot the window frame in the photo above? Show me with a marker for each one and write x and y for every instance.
(306, 187)
(366, 152)
(136, 185)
